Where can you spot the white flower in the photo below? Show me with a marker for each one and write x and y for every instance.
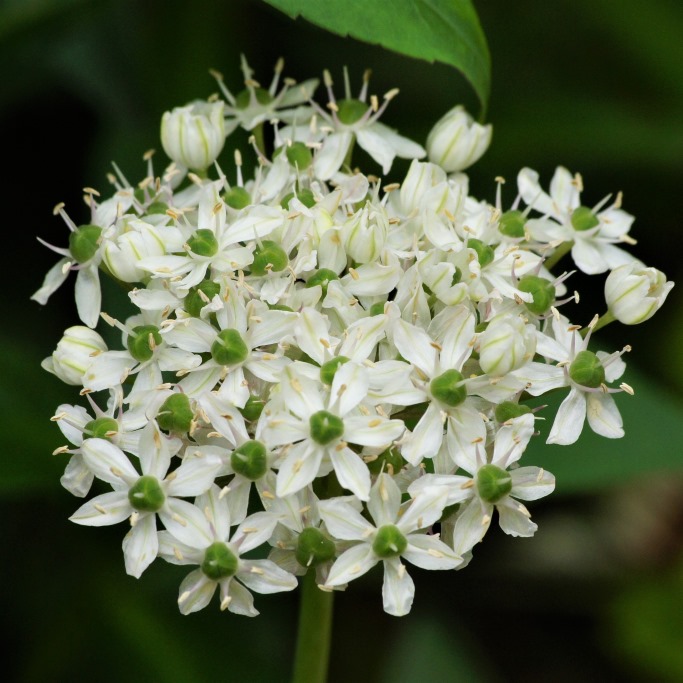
(355, 119)
(316, 430)
(635, 293)
(457, 141)
(75, 352)
(586, 373)
(438, 365)
(205, 540)
(194, 135)
(398, 532)
(142, 496)
(594, 232)
(493, 483)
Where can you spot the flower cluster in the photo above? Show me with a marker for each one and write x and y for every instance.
(321, 370)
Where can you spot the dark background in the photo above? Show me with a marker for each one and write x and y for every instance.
(597, 595)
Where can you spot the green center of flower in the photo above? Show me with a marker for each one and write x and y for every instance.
(508, 410)
(269, 255)
(313, 548)
(322, 277)
(305, 196)
(203, 242)
(146, 494)
(143, 341)
(175, 414)
(219, 562)
(377, 308)
(299, 155)
(252, 408)
(350, 111)
(389, 460)
(250, 460)
(329, 370)
(389, 542)
(197, 297)
(325, 427)
(229, 348)
(237, 198)
(101, 428)
(448, 388)
(587, 370)
(484, 252)
(243, 98)
(84, 242)
(493, 483)
(584, 219)
(511, 224)
(542, 291)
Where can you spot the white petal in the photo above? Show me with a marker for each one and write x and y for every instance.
(425, 509)
(426, 439)
(398, 589)
(415, 346)
(343, 521)
(77, 478)
(351, 564)
(195, 475)
(352, 472)
(299, 468)
(255, 530)
(532, 194)
(330, 158)
(88, 295)
(104, 510)
(429, 552)
(187, 523)
(241, 600)
(531, 483)
(385, 500)
(459, 487)
(108, 463)
(155, 454)
(513, 518)
(349, 387)
(53, 280)
(264, 576)
(569, 419)
(473, 521)
(603, 415)
(140, 545)
(372, 431)
(195, 592)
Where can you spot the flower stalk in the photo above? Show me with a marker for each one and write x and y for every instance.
(314, 632)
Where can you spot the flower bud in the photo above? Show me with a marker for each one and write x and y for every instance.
(506, 345)
(194, 135)
(634, 293)
(74, 353)
(365, 234)
(457, 141)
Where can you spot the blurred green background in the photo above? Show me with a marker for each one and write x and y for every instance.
(597, 595)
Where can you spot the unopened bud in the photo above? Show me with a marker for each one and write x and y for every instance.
(634, 293)
(74, 353)
(457, 141)
(194, 135)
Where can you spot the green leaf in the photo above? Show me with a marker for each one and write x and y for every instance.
(653, 422)
(446, 31)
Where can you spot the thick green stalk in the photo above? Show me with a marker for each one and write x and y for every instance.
(314, 634)
(559, 252)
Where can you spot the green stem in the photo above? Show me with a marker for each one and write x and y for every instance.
(603, 320)
(315, 629)
(349, 153)
(558, 254)
(257, 132)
